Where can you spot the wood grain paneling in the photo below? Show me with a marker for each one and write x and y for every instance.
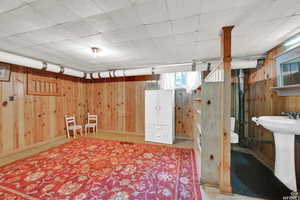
(263, 101)
(27, 120)
(120, 105)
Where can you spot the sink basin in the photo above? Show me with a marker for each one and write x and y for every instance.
(284, 130)
(281, 124)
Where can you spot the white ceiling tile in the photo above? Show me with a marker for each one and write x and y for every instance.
(136, 2)
(80, 28)
(153, 11)
(159, 29)
(83, 8)
(165, 41)
(126, 17)
(185, 25)
(208, 49)
(186, 38)
(101, 22)
(137, 33)
(211, 23)
(6, 5)
(110, 5)
(52, 34)
(217, 5)
(22, 20)
(183, 8)
(54, 10)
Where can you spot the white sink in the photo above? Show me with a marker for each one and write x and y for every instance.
(284, 130)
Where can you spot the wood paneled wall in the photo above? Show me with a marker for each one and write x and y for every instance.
(120, 103)
(264, 101)
(28, 120)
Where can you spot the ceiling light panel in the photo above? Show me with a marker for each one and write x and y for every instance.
(183, 8)
(153, 11)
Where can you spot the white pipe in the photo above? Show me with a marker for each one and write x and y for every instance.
(73, 72)
(185, 67)
(112, 73)
(95, 75)
(20, 60)
(88, 76)
(243, 64)
(138, 72)
(119, 73)
(104, 74)
(53, 68)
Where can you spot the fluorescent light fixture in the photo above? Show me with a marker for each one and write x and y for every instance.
(20, 60)
(293, 41)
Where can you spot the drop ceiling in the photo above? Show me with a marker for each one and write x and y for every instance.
(134, 33)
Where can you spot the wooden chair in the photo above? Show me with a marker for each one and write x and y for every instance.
(91, 123)
(72, 126)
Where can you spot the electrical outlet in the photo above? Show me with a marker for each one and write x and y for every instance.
(11, 98)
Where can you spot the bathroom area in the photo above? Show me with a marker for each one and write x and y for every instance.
(265, 109)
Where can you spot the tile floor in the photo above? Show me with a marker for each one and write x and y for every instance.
(210, 194)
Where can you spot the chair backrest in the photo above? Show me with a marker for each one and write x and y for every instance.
(92, 118)
(70, 121)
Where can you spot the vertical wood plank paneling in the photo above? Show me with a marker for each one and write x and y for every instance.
(263, 101)
(28, 120)
(120, 104)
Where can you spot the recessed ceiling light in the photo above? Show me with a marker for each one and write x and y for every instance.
(95, 51)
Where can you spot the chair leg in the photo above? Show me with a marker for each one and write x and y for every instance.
(68, 134)
(74, 134)
(81, 131)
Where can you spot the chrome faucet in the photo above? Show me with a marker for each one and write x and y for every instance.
(292, 115)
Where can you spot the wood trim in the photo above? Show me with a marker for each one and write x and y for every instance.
(30, 146)
(225, 182)
(42, 86)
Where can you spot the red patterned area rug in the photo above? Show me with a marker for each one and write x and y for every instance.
(90, 168)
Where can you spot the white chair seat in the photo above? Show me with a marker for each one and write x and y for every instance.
(75, 127)
(91, 125)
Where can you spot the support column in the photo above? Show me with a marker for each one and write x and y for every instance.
(225, 183)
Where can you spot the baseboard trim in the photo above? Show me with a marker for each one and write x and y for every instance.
(183, 138)
(4, 154)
